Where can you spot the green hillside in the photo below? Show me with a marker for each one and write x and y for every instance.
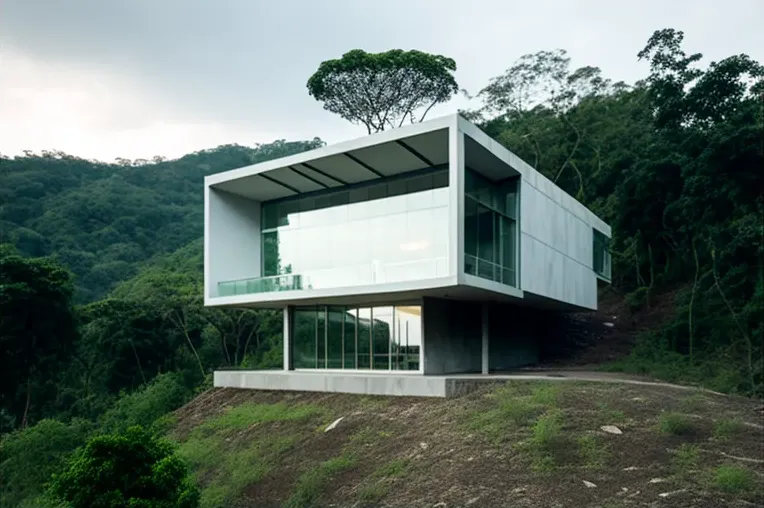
(102, 323)
(104, 221)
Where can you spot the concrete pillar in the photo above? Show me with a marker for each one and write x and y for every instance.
(287, 334)
(485, 334)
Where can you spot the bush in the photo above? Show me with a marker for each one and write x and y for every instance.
(130, 469)
(675, 423)
(734, 479)
(30, 456)
(144, 407)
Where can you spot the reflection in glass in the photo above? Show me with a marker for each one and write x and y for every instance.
(408, 338)
(490, 228)
(382, 336)
(387, 232)
(350, 318)
(335, 337)
(304, 338)
(364, 338)
(378, 338)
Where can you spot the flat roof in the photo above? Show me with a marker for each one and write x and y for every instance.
(374, 157)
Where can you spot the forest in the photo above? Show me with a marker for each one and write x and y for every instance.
(102, 323)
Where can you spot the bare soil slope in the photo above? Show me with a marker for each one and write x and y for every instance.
(521, 444)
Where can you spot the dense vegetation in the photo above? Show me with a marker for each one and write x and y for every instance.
(100, 281)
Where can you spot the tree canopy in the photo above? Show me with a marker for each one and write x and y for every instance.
(383, 90)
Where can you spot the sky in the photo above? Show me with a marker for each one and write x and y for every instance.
(104, 79)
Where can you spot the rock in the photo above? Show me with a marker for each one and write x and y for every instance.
(609, 325)
(334, 424)
(424, 446)
(672, 493)
(657, 480)
(631, 468)
(518, 490)
(589, 485)
(472, 501)
(611, 429)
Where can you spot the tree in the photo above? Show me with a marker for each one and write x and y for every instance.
(130, 469)
(37, 331)
(383, 90)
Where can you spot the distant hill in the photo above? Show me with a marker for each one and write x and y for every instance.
(105, 220)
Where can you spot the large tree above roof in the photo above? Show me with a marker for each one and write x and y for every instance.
(383, 90)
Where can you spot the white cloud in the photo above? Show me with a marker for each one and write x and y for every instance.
(96, 114)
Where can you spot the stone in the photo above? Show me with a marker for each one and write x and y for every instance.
(611, 429)
(589, 485)
(423, 446)
(657, 480)
(334, 424)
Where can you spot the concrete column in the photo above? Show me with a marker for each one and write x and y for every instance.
(287, 334)
(485, 334)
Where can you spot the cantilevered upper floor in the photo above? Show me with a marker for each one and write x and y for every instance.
(431, 209)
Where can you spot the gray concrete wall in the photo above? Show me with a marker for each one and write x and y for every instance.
(452, 336)
(515, 336)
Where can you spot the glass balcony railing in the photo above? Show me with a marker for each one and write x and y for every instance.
(290, 282)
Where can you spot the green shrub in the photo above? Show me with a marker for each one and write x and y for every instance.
(686, 460)
(675, 423)
(30, 456)
(734, 479)
(145, 406)
(130, 469)
(725, 429)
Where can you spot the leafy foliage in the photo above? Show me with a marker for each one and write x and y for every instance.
(37, 331)
(674, 164)
(130, 469)
(28, 457)
(383, 90)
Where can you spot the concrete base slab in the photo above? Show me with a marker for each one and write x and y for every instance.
(407, 385)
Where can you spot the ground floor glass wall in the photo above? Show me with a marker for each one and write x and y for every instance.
(340, 337)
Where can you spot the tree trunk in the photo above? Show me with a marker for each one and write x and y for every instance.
(28, 403)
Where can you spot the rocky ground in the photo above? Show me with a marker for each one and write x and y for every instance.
(525, 443)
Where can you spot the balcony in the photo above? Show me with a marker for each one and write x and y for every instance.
(289, 282)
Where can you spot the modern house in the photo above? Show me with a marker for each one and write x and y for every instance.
(399, 259)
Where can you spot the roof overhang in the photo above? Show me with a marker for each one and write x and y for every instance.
(381, 155)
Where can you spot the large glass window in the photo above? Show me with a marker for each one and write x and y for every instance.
(378, 338)
(490, 228)
(601, 250)
(391, 231)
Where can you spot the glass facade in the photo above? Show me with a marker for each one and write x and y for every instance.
(490, 228)
(601, 250)
(376, 338)
(389, 231)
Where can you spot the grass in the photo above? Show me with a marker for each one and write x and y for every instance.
(311, 484)
(726, 429)
(515, 408)
(226, 463)
(592, 452)
(675, 423)
(734, 479)
(228, 468)
(686, 461)
(392, 469)
(694, 402)
(609, 416)
(246, 415)
(371, 494)
(545, 439)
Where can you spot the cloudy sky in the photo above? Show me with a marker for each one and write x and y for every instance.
(137, 78)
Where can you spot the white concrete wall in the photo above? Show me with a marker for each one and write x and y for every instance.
(555, 245)
(231, 239)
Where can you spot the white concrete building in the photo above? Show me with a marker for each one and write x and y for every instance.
(413, 254)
